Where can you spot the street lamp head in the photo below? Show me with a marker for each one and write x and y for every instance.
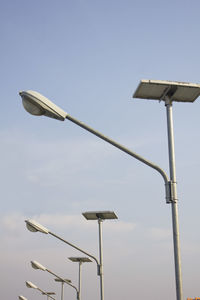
(37, 266)
(173, 90)
(34, 227)
(102, 215)
(38, 105)
(22, 298)
(31, 285)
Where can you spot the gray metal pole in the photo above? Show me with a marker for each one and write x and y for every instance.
(175, 224)
(62, 290)
(80, 281)
(101, 260)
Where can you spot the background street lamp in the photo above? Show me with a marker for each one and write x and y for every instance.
(38, 266)
(100, 216)
(34, 227)
(80, 261)
(62, 285)
(33, 286)
(167, 91)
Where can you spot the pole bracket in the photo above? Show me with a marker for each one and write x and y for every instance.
(99, 270)
(171, 192)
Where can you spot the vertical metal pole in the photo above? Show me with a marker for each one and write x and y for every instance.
(62, 290)
(80, 281)
(175, 224)
(101, 259)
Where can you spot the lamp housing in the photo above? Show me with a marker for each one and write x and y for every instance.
(22, 298)
(31, 285)
(38, 105)
(33, 226)
(37, 266)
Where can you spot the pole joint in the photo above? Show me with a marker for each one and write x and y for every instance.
(99, 270)
(171, 192)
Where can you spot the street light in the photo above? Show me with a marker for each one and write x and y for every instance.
(33, 286)
(62, 285)
(100, 216)
(38, 266)
(22, 298)
(169, 91)
(148, 89)
(33, 226)
(80, 261)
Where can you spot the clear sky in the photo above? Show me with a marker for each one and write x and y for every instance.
(88, 57)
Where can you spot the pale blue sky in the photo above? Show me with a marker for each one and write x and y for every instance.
(88, 57)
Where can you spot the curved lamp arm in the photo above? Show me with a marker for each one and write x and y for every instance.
(75, 247)
(129, 152)
(37, 104)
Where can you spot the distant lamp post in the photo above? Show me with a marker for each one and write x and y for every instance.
(62, 285)
(80, 261)
(100, 216)
(38, 266)
(33, 286)
(22, 298)
(33, 226)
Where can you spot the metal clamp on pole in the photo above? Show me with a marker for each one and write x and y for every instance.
(168, 192)
(171, 192)
(99, 270)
